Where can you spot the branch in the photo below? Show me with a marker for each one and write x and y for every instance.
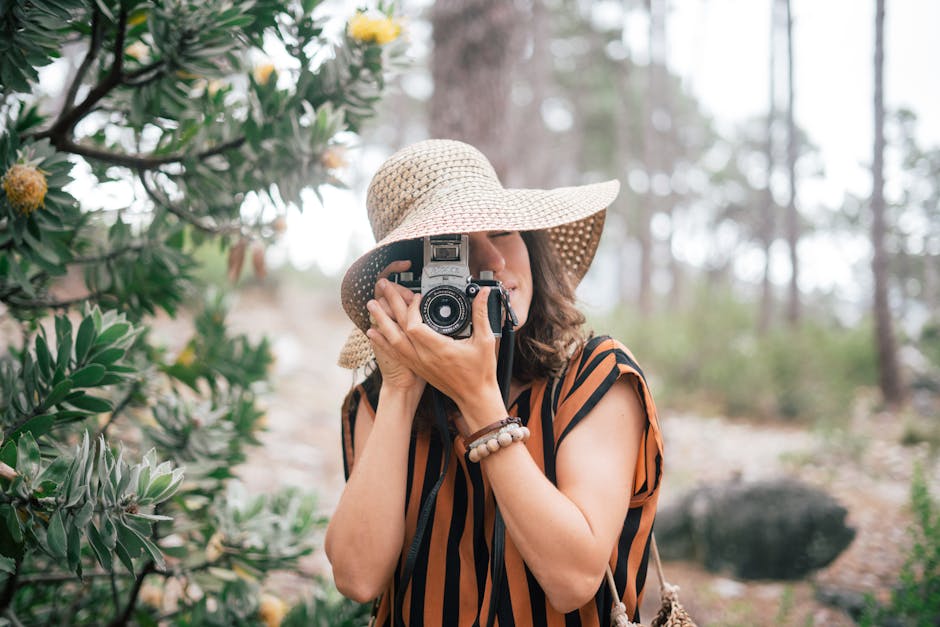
(120, 407)
(114, 592)
(93, 49)
(114, 254)
(39, 578)
(58, 133)
(12, 617)
(186, 216)
(132, 600)
(141, 162)
(41, 276)
(35, 303)
(7, 595)
(130, 79)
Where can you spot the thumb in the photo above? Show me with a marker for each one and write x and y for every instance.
(481, 318)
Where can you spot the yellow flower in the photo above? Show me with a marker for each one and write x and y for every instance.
(151, 595)
(186, 75)
(271, 610)
(214, 86)
(214, 548)
(260, 424)
(137, 17)
(333, 158)
(25, 186)
(374, 30)
(263, 73)
(139, 51)
(187, 356)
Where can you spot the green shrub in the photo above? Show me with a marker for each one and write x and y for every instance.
(709, 356)
(118, 454)
(915, 601)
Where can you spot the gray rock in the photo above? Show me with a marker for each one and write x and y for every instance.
(778, 529)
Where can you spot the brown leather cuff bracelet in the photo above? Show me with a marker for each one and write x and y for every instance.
(496, 426)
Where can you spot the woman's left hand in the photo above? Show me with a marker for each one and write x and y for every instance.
(464, 370)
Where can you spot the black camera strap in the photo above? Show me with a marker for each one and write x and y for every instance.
(504, 365)
(443, 429)
(497, 566)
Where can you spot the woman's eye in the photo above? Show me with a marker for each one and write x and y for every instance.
(501, 234)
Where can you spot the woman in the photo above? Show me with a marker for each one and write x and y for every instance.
(576, 496)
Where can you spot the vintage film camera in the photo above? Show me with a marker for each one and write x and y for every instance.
(447, 289)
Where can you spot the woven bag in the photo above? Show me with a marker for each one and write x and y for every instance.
(671, 612)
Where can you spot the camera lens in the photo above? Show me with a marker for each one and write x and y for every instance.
(445, 309)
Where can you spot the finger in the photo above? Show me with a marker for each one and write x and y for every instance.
(413, 314)
(382, 321)
(386, 288)
(398, 305)
(391, 331)
(481, 319)
(396, 266)
(386, 307)
(406, 294)
(379, 344)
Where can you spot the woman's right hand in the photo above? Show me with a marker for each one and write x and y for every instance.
(394, 372)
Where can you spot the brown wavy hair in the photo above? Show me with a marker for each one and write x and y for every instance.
(552, 332)
(554, 328)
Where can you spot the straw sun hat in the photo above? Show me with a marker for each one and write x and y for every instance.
(438, 186)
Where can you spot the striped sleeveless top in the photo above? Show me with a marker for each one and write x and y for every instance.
(451, 583)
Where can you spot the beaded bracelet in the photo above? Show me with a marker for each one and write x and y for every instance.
(509, 430)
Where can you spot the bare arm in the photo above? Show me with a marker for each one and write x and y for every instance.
(365, 535)
(566, 534)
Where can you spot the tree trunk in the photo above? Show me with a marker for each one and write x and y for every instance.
(535, 160)
(770, 206)
(793, 218)
(931, 288)
(889, 375)
(652, 159)
(475, 47)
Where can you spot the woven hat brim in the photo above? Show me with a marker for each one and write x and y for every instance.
(573, 217)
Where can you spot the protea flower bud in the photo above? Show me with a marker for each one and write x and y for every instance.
(25, 186)
(236, 258)
(258, 261)
(333, 158)
(271, 610)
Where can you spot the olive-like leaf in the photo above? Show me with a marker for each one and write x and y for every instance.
(55, 535)
(84, 339)
(88, 376)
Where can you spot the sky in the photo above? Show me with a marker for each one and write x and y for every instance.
(720, 48)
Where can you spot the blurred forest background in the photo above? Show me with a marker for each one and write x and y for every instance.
(714, 269)
(701, 265)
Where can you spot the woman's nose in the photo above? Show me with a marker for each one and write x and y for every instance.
(485, 256)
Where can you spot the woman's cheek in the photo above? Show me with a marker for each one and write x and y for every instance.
(520, 306)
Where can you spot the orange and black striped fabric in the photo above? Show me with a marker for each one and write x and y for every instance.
(451, 582)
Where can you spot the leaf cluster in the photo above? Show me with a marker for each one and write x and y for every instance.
(168, 104)
(53, 385)
(58, 506)
(915, 601)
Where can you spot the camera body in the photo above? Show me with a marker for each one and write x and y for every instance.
(447, 289)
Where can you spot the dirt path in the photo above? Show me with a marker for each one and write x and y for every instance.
(864, 468)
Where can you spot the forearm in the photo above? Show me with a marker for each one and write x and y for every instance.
(365, 535)
(553, 536)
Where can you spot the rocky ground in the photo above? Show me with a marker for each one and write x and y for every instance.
(863, 466)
